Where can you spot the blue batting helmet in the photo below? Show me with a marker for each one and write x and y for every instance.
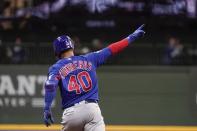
(62, 43)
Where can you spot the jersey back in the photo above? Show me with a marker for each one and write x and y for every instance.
(77, 77)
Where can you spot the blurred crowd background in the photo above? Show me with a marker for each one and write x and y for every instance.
(28, 28)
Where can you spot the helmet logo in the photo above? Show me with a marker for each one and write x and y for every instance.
(59, 38)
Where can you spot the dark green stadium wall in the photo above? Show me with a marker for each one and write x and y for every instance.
(128, 95)
(152, 95)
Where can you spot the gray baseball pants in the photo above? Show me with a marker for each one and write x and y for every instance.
(83, 117)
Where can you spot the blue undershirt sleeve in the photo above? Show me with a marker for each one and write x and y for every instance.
(50, 87)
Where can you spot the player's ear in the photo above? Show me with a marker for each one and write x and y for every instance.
(73, 44)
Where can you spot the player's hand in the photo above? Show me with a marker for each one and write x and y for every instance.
(48, 119)
(137, 34)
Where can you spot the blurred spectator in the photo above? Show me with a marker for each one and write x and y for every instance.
(17, 52)
(79, 48)
(19, 4)
(174, 52)
(7, 13)
(97, 44)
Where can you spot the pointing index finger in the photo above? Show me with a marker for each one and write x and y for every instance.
(142, 26)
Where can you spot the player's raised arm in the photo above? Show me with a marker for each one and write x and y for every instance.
(50, 87)
(99, 57)
(120, 45)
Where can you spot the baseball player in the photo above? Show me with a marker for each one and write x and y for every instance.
(76, 78)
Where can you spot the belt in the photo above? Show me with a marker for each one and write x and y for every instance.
(91, 101)
(83, 102)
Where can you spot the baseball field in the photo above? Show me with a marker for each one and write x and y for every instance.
(39, 127)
